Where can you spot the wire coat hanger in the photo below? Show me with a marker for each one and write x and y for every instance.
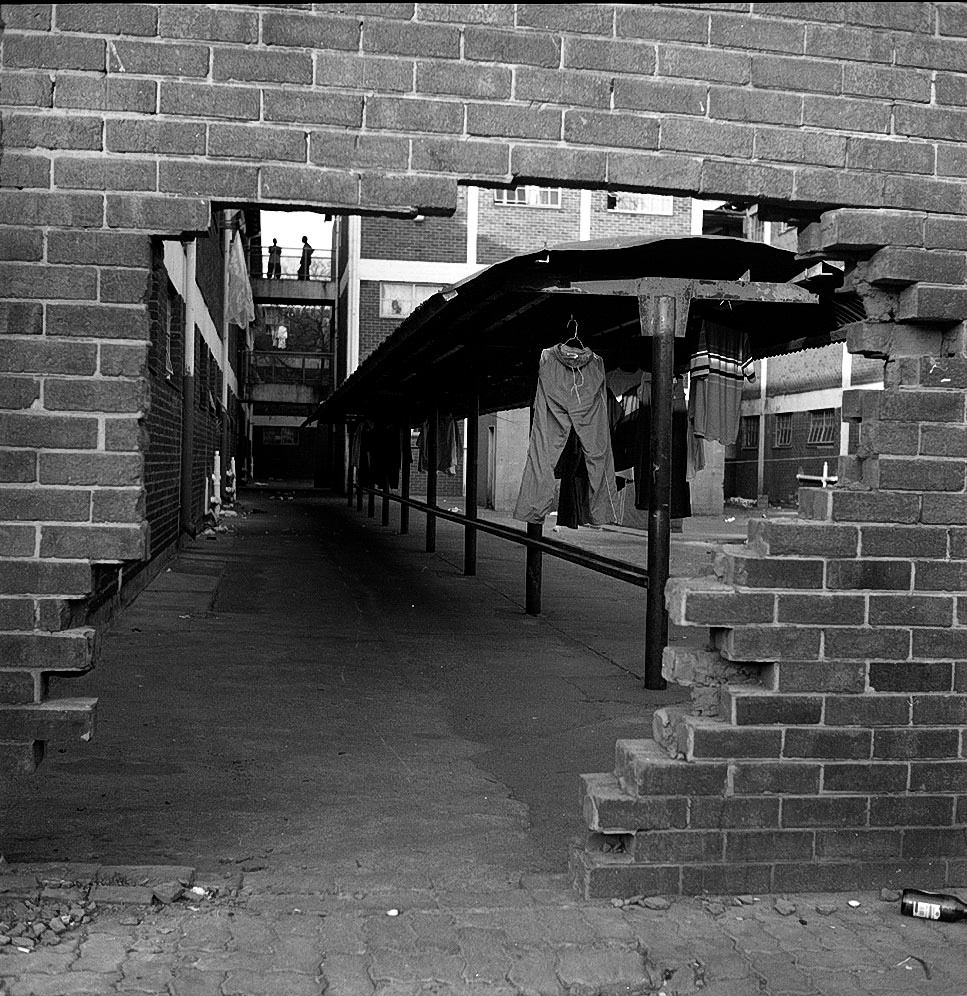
(573, 337)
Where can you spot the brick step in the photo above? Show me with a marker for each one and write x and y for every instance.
(609, 809)
(67, 650)
(753, 705)
(749, 705)
(707, 741)
(600, 875)
(55, 719)
(644, 768)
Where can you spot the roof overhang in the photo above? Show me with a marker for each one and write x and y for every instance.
(489, 328)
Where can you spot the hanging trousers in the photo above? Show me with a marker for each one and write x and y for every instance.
(570, 395)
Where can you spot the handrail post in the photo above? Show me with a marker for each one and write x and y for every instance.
(349, 465)
(534, 571)
(432, 458)
(406, 456)
(470, 531)
(660, 314)
(384, 515)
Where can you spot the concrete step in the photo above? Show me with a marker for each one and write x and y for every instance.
(54, 719)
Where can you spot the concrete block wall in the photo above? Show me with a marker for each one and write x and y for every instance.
(826, 743)
(123, 122)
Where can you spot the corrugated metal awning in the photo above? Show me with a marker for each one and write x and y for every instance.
(491, 327)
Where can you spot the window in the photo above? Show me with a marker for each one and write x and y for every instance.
(400, 300)
(545, 197)
(749, 436)
(822, 427)
(783, 436)
(280, 435)
(628, 203)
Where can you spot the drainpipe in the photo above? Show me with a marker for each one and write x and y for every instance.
(188, 392)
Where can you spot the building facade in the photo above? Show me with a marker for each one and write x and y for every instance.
(389, 266)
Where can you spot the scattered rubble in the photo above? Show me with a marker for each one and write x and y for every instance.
(42, 904)
(784, 908)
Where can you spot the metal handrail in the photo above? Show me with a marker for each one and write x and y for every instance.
(619, 569)
(320, 267)
(289, 367)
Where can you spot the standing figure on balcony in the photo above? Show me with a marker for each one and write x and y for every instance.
(275, 261)
(305, 260)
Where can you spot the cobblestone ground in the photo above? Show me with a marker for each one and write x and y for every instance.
(533, 940)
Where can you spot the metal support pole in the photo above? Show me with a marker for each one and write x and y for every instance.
(349, 468)
(359, 495)
(534, 573)
(406, 455)
(384, 512)
(659, 314)
(534, 569)
(188, 394)
(371, 505)
(432, 459)
(470, 532)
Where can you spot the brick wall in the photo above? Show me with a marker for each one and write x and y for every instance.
(372, 329)
(782, 462)
(605, 223)
(436, 240)
(122, 121)
(506, 229)
(209, 274)
(823, 747)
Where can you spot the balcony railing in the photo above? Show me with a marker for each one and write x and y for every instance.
(283, 367)
(290, 264)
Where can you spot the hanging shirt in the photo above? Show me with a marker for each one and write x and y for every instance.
(718, 370)
(239, 305)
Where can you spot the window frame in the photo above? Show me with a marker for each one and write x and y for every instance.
(288, 435)
(667, 200)
(822, 423)
(749, 421)
(531, 197)
(782, 431)
(411, 285)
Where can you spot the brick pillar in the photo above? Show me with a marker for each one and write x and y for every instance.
(824, 748)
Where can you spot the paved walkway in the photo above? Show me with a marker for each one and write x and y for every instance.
(369, 763)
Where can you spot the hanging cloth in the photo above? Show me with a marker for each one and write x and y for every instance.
(571, 394)
(680, 506)
(718, 370)
(448, 446)
(574, 500)
(239, 304)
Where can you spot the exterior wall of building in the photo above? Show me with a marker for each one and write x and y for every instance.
(507, 229)
(796, 385)
(432, 239)
(163, 418)
(607, 224)
(372, 329)
(124, 122)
